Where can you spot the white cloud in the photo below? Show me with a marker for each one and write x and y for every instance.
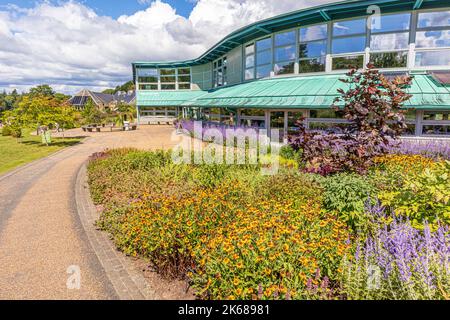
(69, 46)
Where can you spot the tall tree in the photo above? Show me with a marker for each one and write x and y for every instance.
(42, 90)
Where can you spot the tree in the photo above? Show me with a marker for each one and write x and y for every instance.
(42, 90)
(128, 86)
(91, 114)
(40, 112)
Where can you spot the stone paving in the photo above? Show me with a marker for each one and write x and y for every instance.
(42, 233)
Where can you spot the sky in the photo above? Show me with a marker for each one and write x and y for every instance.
(76, 44)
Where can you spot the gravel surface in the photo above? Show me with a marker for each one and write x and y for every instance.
(40, 232)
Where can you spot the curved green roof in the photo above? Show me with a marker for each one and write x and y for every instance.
(339, 10)
(312, 92)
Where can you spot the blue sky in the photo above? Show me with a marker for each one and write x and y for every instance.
(77, 44)
(115, 8)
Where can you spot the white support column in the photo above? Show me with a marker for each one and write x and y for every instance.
(419, 124)
(328, 63)
(307, 115)
(267, 120)
(286, 129)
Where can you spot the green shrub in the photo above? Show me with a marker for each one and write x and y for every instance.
(347, 194)
(288, 153)
(12, 131)
(6, 131)
(423, 197)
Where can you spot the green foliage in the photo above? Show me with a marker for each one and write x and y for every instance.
(347, 194)
(422, 197)
(232, 232)
(128, 86)
(41, 90)
(91, 114)
(288, 153)
(6, 131)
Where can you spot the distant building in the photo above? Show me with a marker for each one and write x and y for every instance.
(103, 101)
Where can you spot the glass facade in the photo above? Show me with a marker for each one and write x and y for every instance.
(285, 52)
(164, 79)
(263, 58)
(417, 39)
(313, 48)
(220, 67)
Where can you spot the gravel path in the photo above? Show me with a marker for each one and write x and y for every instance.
(40, 232)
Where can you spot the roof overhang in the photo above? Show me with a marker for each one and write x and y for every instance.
(318, 14)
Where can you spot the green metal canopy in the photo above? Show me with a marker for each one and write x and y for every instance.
(308, 92)
(166, 98)
(311, 92)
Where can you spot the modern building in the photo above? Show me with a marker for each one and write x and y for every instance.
(271, 73)
(102, 101)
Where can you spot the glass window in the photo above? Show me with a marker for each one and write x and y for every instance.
(436, 115)
(168, 87)
(437, 130)
(347, 45)
(393, 22)
(432, 58)
(293, 118)
(285, 53)
(249, 61)
(345, 63)
(264, 57)
(313, 49)
(184, 78)
(326, 114)
(184, 71)
(147, 79)
(284, 68)
(252, 112)
(264, 44)
(390, 41)
(433, 39)
(144, 72)
(263, 71)
(286, 38)
(390, 59)
(167, 79)
(250, 49)
(312, 65)
(184, 86)
(349, 27)
(167, 72)
(312, 33)
(434, 19)
(148, 87)
(249, 74)
(220, 72)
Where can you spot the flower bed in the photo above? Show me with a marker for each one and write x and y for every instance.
(235, 234)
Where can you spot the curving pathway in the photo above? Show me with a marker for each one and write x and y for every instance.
(41, 234)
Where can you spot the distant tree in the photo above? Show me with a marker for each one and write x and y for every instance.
(109, 91)
(91, 114)
(40, 112)
(128, 86)
(42, 90)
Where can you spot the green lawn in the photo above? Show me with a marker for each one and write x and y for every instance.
(16, 152)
